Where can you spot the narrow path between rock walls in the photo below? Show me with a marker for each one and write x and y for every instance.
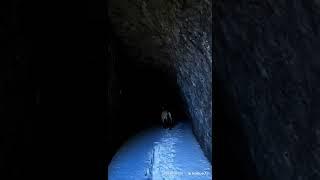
(161, 154)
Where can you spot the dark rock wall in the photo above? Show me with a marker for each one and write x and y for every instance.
(267, 63)
(176, 36)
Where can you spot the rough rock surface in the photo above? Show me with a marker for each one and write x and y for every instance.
(267, 63)
(173, 35)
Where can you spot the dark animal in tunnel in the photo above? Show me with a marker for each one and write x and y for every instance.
(166, 119)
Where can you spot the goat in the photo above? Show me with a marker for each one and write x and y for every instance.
(166, 119)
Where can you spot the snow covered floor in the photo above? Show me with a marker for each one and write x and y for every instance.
(161, 154)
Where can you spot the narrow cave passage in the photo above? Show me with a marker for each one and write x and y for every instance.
(139, 91)
(141, 147)
(160, 62)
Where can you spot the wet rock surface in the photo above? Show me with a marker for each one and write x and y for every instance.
(175, 36)
(267, 65)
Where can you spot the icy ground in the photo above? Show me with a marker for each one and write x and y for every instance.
(161, 154)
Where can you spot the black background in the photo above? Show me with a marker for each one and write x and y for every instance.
(55, 49)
